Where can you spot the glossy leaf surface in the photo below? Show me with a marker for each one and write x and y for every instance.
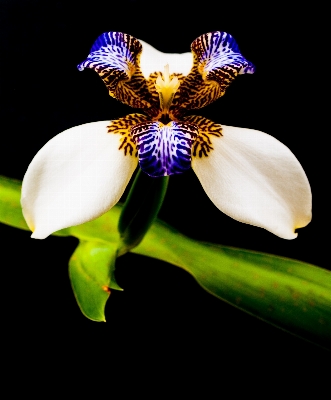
(91, 271)
(289, 294)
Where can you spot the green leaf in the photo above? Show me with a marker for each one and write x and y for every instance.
(91, 271)
(103, 229)
(10, 206)
(289, 294)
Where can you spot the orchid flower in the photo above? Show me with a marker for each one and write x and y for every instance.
(82, 172)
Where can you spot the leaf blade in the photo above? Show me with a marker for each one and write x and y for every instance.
(289, 294)
(91, 272)
(260, 284)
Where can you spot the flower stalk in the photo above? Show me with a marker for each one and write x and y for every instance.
(140, 209)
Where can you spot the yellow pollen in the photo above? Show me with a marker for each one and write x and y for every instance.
(166, 89)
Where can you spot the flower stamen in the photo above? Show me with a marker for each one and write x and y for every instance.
(166, 89)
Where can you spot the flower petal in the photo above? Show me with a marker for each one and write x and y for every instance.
(164, 149)
(115, 57)
(255, 179)
(219, 57)
(76, 177)
(216, 62)
(153, 60)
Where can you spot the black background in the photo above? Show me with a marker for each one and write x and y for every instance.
(163, 317)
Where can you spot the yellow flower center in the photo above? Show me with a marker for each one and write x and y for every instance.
(166, 89)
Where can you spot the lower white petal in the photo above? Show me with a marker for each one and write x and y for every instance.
(76, 177)
(255, 179)
(153, 60)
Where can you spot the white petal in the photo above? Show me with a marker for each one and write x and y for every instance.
(76, 177)
(153, 60)
(255, 179)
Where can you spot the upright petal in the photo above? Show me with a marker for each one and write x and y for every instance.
(115, 57)
(219, 57)
(153, 60)
(216, 62)
(76, 177)
(255, 179)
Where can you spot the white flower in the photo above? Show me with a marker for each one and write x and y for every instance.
(82, 172)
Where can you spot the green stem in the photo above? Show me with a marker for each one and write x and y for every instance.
(140, 209)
